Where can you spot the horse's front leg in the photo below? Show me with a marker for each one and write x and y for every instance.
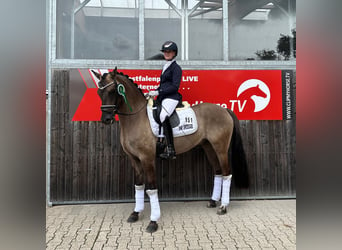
(152, 192)
(139, 203)
(155, 210)
(139, 192)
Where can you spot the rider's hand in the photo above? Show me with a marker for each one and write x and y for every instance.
(153, 93)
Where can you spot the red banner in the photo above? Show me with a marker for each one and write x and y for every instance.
(251, 94)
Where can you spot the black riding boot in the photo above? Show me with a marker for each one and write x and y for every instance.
(170, 149)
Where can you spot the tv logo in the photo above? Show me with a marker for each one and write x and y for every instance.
(256, 91)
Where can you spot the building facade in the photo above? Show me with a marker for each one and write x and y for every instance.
(230, 41)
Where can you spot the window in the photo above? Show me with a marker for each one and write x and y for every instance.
(203, 29)
(162, 22)
(257, 26)
(103, 29)
(206, 31)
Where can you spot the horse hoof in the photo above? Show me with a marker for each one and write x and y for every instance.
(211, 204)
(133, 217)
(152, 227)
(222, 210)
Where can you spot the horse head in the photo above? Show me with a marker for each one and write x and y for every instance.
(108, 91)
(259, 91)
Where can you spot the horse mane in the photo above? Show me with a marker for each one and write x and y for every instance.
(131, 81)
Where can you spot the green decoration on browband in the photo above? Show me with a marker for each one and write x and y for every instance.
(121, 91)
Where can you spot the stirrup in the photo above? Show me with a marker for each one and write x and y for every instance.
(169, 154)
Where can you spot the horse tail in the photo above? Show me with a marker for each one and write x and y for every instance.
(238, 156)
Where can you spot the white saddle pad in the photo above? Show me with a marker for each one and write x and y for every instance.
(187, 122)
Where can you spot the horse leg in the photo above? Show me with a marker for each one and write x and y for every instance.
(216, 194)
(139, 192)
(222, 155)
(152, 192)
(218, 157)
(139, 203)
(155, 210)
(225, 194)
(213, 160)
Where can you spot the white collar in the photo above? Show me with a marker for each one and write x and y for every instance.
(167, 64)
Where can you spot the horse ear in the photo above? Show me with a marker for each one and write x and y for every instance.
(114, 72)
(98, 75)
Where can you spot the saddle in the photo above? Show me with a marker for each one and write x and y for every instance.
(174, 118)
(183, 120)
(175, 121)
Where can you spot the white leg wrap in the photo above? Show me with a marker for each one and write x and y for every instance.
(226, 190)
(139, 198)
(155, 209)
(217, 188)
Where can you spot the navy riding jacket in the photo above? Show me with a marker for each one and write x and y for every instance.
(169, 83)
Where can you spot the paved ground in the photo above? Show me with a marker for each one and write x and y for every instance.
(256, 224)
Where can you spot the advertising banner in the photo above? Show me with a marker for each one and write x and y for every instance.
(251, 94)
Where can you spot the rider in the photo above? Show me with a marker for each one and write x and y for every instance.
(167, 94)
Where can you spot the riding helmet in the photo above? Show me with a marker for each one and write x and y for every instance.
(169, 45)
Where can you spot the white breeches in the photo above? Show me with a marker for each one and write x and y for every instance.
(168, 106)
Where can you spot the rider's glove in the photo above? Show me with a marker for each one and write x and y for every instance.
(153, 93)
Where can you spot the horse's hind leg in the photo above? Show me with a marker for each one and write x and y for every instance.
(226, 181)
(222, 156)
(218, 158)
(214, 162)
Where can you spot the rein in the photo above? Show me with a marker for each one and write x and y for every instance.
(120, 113)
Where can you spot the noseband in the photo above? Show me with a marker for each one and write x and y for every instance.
(110, 108)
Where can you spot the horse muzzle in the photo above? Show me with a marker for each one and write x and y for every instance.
(108, 112)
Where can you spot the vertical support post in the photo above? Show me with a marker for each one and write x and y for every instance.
(72, 31)
(183, 30)
(225, 27)
(52, 17)
(141, 29)
(186, 30)
(51, 55)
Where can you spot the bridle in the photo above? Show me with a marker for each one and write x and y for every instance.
(120, 91)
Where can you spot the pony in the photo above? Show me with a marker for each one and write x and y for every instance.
(218, 131)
